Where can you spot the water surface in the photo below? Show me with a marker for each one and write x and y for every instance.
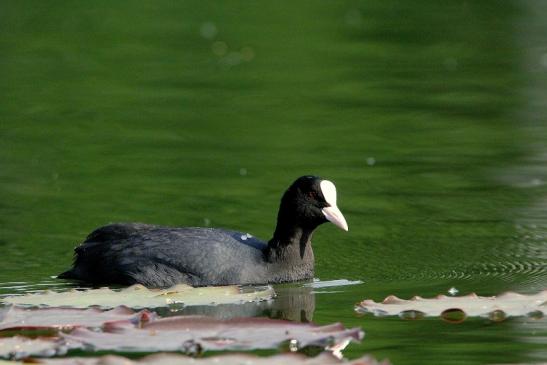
(428, 116)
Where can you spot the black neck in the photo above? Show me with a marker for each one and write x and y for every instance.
(290, 242)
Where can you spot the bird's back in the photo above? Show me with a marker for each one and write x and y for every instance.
(156, 256)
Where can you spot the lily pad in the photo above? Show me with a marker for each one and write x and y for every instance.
(19, 347)
(318, 284)
(231, 359)
(188, 334)
(12, 317)
(138, 296)
(455, 309)
(193, 334)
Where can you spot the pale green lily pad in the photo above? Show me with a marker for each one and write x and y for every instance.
(138, 296)
(455, 309)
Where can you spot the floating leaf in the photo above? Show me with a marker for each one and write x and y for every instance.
(455, 309)
(21, 318)
(138, 296)
(19, 347)
(193, 334)
(318, 284)
(4, 362)
(231, 359)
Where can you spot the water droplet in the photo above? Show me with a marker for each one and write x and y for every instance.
(543, 60)
(536, 314)
(220, 340)
(453, 315)
(371, 161)
(208, 30)
(293, 345)
(175, 307)
(354, 18)
(247, 54)
(450, 63)
(191, 347)
(411, 315)
(244, 237)
(377, 312)
(219, 48)
(453, 291)
(232, 59)
(497, 315)
(243, 171)
(207, 221)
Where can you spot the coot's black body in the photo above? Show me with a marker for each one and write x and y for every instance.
(156, 256)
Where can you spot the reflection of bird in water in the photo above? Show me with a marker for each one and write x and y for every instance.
(293, 302)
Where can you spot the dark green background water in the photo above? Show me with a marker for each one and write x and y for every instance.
(428, 115)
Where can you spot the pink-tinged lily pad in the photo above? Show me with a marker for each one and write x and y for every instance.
(19, 347)
(12, 317)
(138, 296)
(231, 359)
(456, 309)
(193, 334)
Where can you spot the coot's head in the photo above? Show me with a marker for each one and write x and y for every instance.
(311, 201)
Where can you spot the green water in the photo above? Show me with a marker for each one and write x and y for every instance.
(428, 116)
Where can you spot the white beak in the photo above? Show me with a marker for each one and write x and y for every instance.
(332, 213)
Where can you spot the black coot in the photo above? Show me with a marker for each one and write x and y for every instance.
(155, 256)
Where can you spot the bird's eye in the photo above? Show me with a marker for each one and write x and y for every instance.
(312, 195)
